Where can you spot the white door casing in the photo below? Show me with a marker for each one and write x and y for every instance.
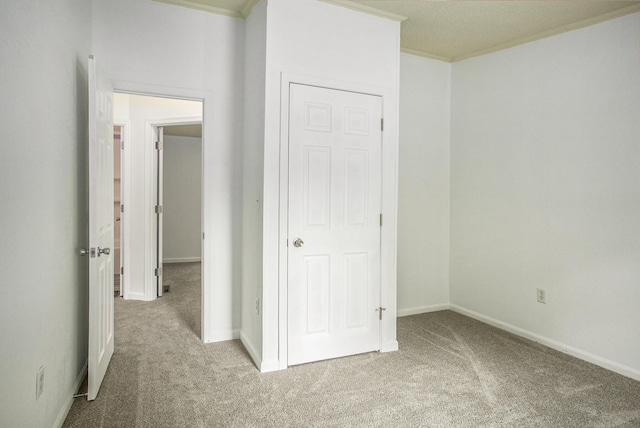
(335, 179)
(101, 322)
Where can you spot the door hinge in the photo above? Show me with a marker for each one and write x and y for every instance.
(158, 209)
(158, 145)
(122, 144)
(382, 124)
(380, 220)
(202, 235)
(158, 272)
(121, 270)
(380, 309)
(121, 208)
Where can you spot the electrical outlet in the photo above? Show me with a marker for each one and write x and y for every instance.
(39, 382)
(541, 295)
(257, 306)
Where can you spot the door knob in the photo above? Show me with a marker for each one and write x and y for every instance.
(105, 251)
(298, 243)
(91, 252)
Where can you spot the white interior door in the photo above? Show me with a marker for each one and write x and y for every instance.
(100, 229)
(159, 205)
(335, 143)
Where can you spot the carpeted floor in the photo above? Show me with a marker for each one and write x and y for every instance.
(450, 371)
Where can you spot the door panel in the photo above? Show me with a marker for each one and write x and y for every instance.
(101, 325)
(159, 202)
(335, 146)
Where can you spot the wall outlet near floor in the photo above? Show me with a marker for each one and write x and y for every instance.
(40, 382)
(542, 298)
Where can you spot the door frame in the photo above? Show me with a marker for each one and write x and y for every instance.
(151, 126)
(209, 303)
(125, 231)
(388, 232)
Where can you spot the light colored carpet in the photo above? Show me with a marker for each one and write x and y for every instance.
(451, 371)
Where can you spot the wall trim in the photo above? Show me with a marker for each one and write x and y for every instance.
(425, 55)
(422, 309)
(553, 32)
(558, 346)
(64, 411)
(182, 260)
(202, 7)
(389, 346)
(248, 8)
(270, 366)
(358, 7)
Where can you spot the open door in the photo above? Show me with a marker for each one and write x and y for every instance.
(101, 327)
(159, 217)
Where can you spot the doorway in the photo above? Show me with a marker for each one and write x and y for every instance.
(160, 134)
(178, 188)
(118, 144)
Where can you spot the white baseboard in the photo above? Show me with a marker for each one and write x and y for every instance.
(270, 366)
(183, 260)
(222, 336)
(558, 346)
(389, 346)
(422, 309)
(69, 401)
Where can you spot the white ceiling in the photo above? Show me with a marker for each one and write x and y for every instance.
(452, 30)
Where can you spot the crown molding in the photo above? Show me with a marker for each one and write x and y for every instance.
(248, 7)
(366, 9)
(203, 7)
(425, 55)
(553, 32)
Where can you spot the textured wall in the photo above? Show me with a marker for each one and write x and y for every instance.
(43, 291)
(423, 186)
(545, 166)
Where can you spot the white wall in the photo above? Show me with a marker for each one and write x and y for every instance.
(138, 113)
(160, 49)
(423, 187)
(545, 166)
(337, 45)
(252, 178)
(182, 222)
(43, 291)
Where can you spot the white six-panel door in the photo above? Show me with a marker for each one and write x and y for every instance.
(335, 143)
(101, 323)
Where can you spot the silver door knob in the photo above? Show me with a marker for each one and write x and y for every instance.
(84, 251)
(105, 251)
(298, 243)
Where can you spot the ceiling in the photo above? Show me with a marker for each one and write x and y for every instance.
(452, 30)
